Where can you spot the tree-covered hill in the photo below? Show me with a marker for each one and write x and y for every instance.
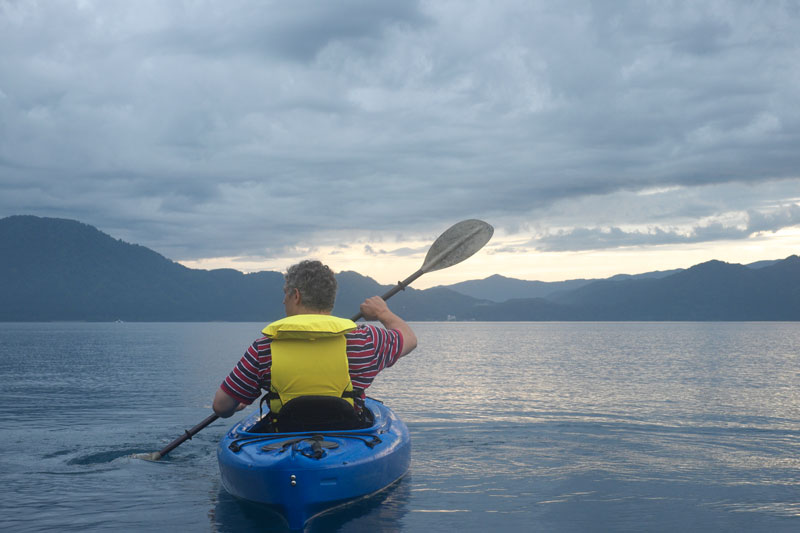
(56, 269)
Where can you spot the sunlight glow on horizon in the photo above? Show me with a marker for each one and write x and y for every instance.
(388, 269)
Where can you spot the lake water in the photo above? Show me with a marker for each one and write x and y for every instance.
(515, 427)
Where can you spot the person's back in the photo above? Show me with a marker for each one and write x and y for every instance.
(311, 355)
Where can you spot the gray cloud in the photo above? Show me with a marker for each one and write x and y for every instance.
(752, 223)
(251, 128)
(397, 252)
(296, 32)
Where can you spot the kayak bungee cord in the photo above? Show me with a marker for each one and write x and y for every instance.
(368, 439)
(317, 451)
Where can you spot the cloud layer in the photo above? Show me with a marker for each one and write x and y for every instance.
(207, 129)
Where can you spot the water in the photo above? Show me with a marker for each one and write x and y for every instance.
(515, 427)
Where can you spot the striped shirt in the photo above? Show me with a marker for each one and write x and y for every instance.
(370, 349)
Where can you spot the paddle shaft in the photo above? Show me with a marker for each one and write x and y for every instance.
(188, 434)
(401, 285)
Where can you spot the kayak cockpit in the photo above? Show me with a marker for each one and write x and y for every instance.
(314, 413)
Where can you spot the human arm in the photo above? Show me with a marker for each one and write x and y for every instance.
(243, 384)
(375, 308)
(224, 405)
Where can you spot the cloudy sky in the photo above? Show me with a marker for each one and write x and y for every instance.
(596, 137)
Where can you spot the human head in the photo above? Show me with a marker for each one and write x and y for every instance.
(315, 282)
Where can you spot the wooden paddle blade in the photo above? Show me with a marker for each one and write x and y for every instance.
(456, 244)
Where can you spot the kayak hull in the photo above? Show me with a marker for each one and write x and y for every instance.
(304, 474)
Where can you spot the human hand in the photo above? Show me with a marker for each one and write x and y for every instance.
(374, 307)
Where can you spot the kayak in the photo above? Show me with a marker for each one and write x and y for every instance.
(304, 474)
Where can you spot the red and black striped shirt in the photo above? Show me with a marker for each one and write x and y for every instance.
(370, 349)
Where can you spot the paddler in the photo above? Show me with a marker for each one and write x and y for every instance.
(312, 353)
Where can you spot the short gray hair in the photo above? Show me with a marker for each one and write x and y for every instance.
(316, 283)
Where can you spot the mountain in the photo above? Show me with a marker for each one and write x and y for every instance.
(497, 288)
(432, 304)
(56, 269)
(709, 291)
(761, 264)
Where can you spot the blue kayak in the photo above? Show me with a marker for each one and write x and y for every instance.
(304, 474)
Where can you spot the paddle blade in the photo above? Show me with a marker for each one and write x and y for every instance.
(155, 456)
(456, 244)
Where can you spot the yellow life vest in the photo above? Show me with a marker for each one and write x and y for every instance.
(309, 357)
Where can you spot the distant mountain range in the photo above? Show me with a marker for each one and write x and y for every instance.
(497, 288)
(55, 269)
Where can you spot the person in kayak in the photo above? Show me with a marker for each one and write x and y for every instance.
(311, 353)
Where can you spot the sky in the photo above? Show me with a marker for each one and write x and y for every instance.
(596, 137)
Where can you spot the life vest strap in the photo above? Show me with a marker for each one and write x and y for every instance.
(273, 395)
(355, 394)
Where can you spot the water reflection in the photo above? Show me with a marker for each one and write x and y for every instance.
(381, 512)
(530, 427)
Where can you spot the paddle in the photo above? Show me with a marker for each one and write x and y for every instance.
(456, 244)
(188, 434)
(459, 242)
